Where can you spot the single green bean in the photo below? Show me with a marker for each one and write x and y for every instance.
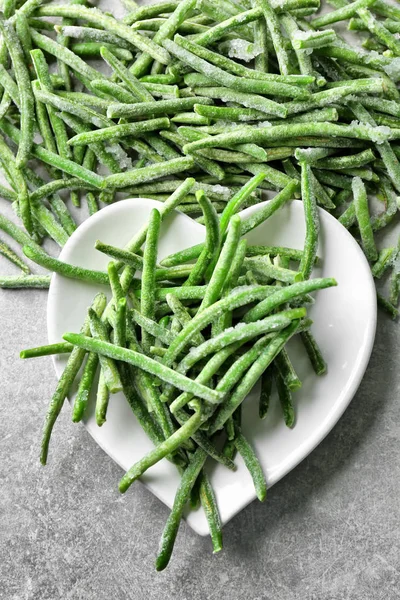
(154, 109)
(24, 281)
(8, 253)
(119, 131)
(143, 362)
(85, 385)
(182, 495)
(66, 380)
(252, 463)
(363, 219)
(73, 272)
(170, 167)
(311, 220)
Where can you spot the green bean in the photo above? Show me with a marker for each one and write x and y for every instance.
(16, 233)
(265, 393)
(93, 50)
(263, 135)
(5, 104)
(190, 118)
(66, 380)
(43, 122)
(134, 85)
(56, 203)
(212, 243)
(24, 281)
(64, 54)
(57, 124)
(311, 220)
(229, 113)
(170, 167)
(115, 284)
(209, 166)
(96, 17)
(152, 327)
(258, 367)
(145, 363)
(252, 463)
(108, 365)
(285, 399)
(346, 162)
(167, 30)
(235, 299)
(17, 180)
(341, 14)
(240, 333)
(220, 271)
(163, 449)
(10, 86)
(314, 353)
(201, 60)
(153, 109)
(267, 210)
(304, 59)
(263, 267)
(49, 223)
(237, 201)
(379, 30)
(92, 204)
(287, 371)
(116, 91)
(25, 91)
(286, 294)
(387, 306)
(160, 90)
(91, 34)
(119, 131)
(8, 253)
(9, 7)
(54, 160)
(128, 258)
(148, 11)
(385, 150)
(147, 300)
(102, 399)
(73, 107)
(385, 260)
(58, 348)
(162, 147)
(53, 264)
(182, 495)
(276, 35)
(362, 216)
(180, 192)
(209, 504)
(85, 385)
(312, 155)
(183, 317)
(120, 323)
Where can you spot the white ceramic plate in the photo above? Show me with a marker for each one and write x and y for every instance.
(344, 326)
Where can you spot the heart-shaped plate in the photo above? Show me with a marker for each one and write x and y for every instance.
(344, 326)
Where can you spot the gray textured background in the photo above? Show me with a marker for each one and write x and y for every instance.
(328, 531)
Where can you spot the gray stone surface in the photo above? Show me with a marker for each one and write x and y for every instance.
(328, 531)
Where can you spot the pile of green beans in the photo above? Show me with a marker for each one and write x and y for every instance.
(204, 107)
(173, 342)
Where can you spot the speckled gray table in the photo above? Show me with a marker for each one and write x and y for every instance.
(328, 531)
